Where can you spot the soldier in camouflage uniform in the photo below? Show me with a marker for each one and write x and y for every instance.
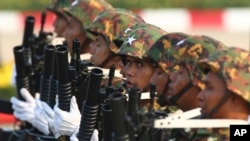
(186, 79)
(161, 76)
(82, 13)
(103, 55)
(184, 75)
(226, 93)
(107, 26)
(136, 44)
(61, 19)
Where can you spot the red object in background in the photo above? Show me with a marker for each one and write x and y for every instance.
(6, 118)
(37, 15)
(206, 18)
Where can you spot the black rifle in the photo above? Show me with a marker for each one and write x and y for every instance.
(140, 122)
(80, 79)
(118, 106)
(38, 52)
(64, 82)
(90, 106)
(132, 117)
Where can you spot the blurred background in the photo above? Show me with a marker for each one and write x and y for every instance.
(224, 20)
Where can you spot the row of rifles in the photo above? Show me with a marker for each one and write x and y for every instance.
(45, 68)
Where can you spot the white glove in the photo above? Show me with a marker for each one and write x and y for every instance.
(24, 110)
(49, 115)
(42, 119)
(67, 123)
(94, 136)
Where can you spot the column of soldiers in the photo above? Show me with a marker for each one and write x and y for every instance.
(171, 86)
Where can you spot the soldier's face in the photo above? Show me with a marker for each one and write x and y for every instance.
(215, 89)
(179, 79)
(160, 79)
(138, 72)
(60, 24)
(99, 51)
(74, 30)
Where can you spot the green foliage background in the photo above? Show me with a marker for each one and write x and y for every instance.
(133, 4)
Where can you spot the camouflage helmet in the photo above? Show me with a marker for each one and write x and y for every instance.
(86, 10)
(157, 52)
(58, 6)
(111, 23)
(188, 51)
(139, 41)
(233, 65)
(118, 40)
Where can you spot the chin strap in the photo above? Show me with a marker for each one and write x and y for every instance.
(217, 106)
(172, 99)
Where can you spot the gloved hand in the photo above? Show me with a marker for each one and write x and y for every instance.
(66, 123)
(43, 116)
(94, 136)
(24, 110)
(49, 115)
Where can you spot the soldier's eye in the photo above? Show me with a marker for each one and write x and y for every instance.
(139, 64)
(128, 63)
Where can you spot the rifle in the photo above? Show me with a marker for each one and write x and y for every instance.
(80, 79)
(105, 118)
(139, 120)
(47, 72)
(90, 106)
(132, 117)
(118, 106)
(38, 52)
(64, 85)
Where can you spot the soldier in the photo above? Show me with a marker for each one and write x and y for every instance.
(106, 27)
(136, 43)
(82, 13)
(226, 93)
(103, 55)
(161, 75)
(89, 8)
(185, 77)
(61, 19)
